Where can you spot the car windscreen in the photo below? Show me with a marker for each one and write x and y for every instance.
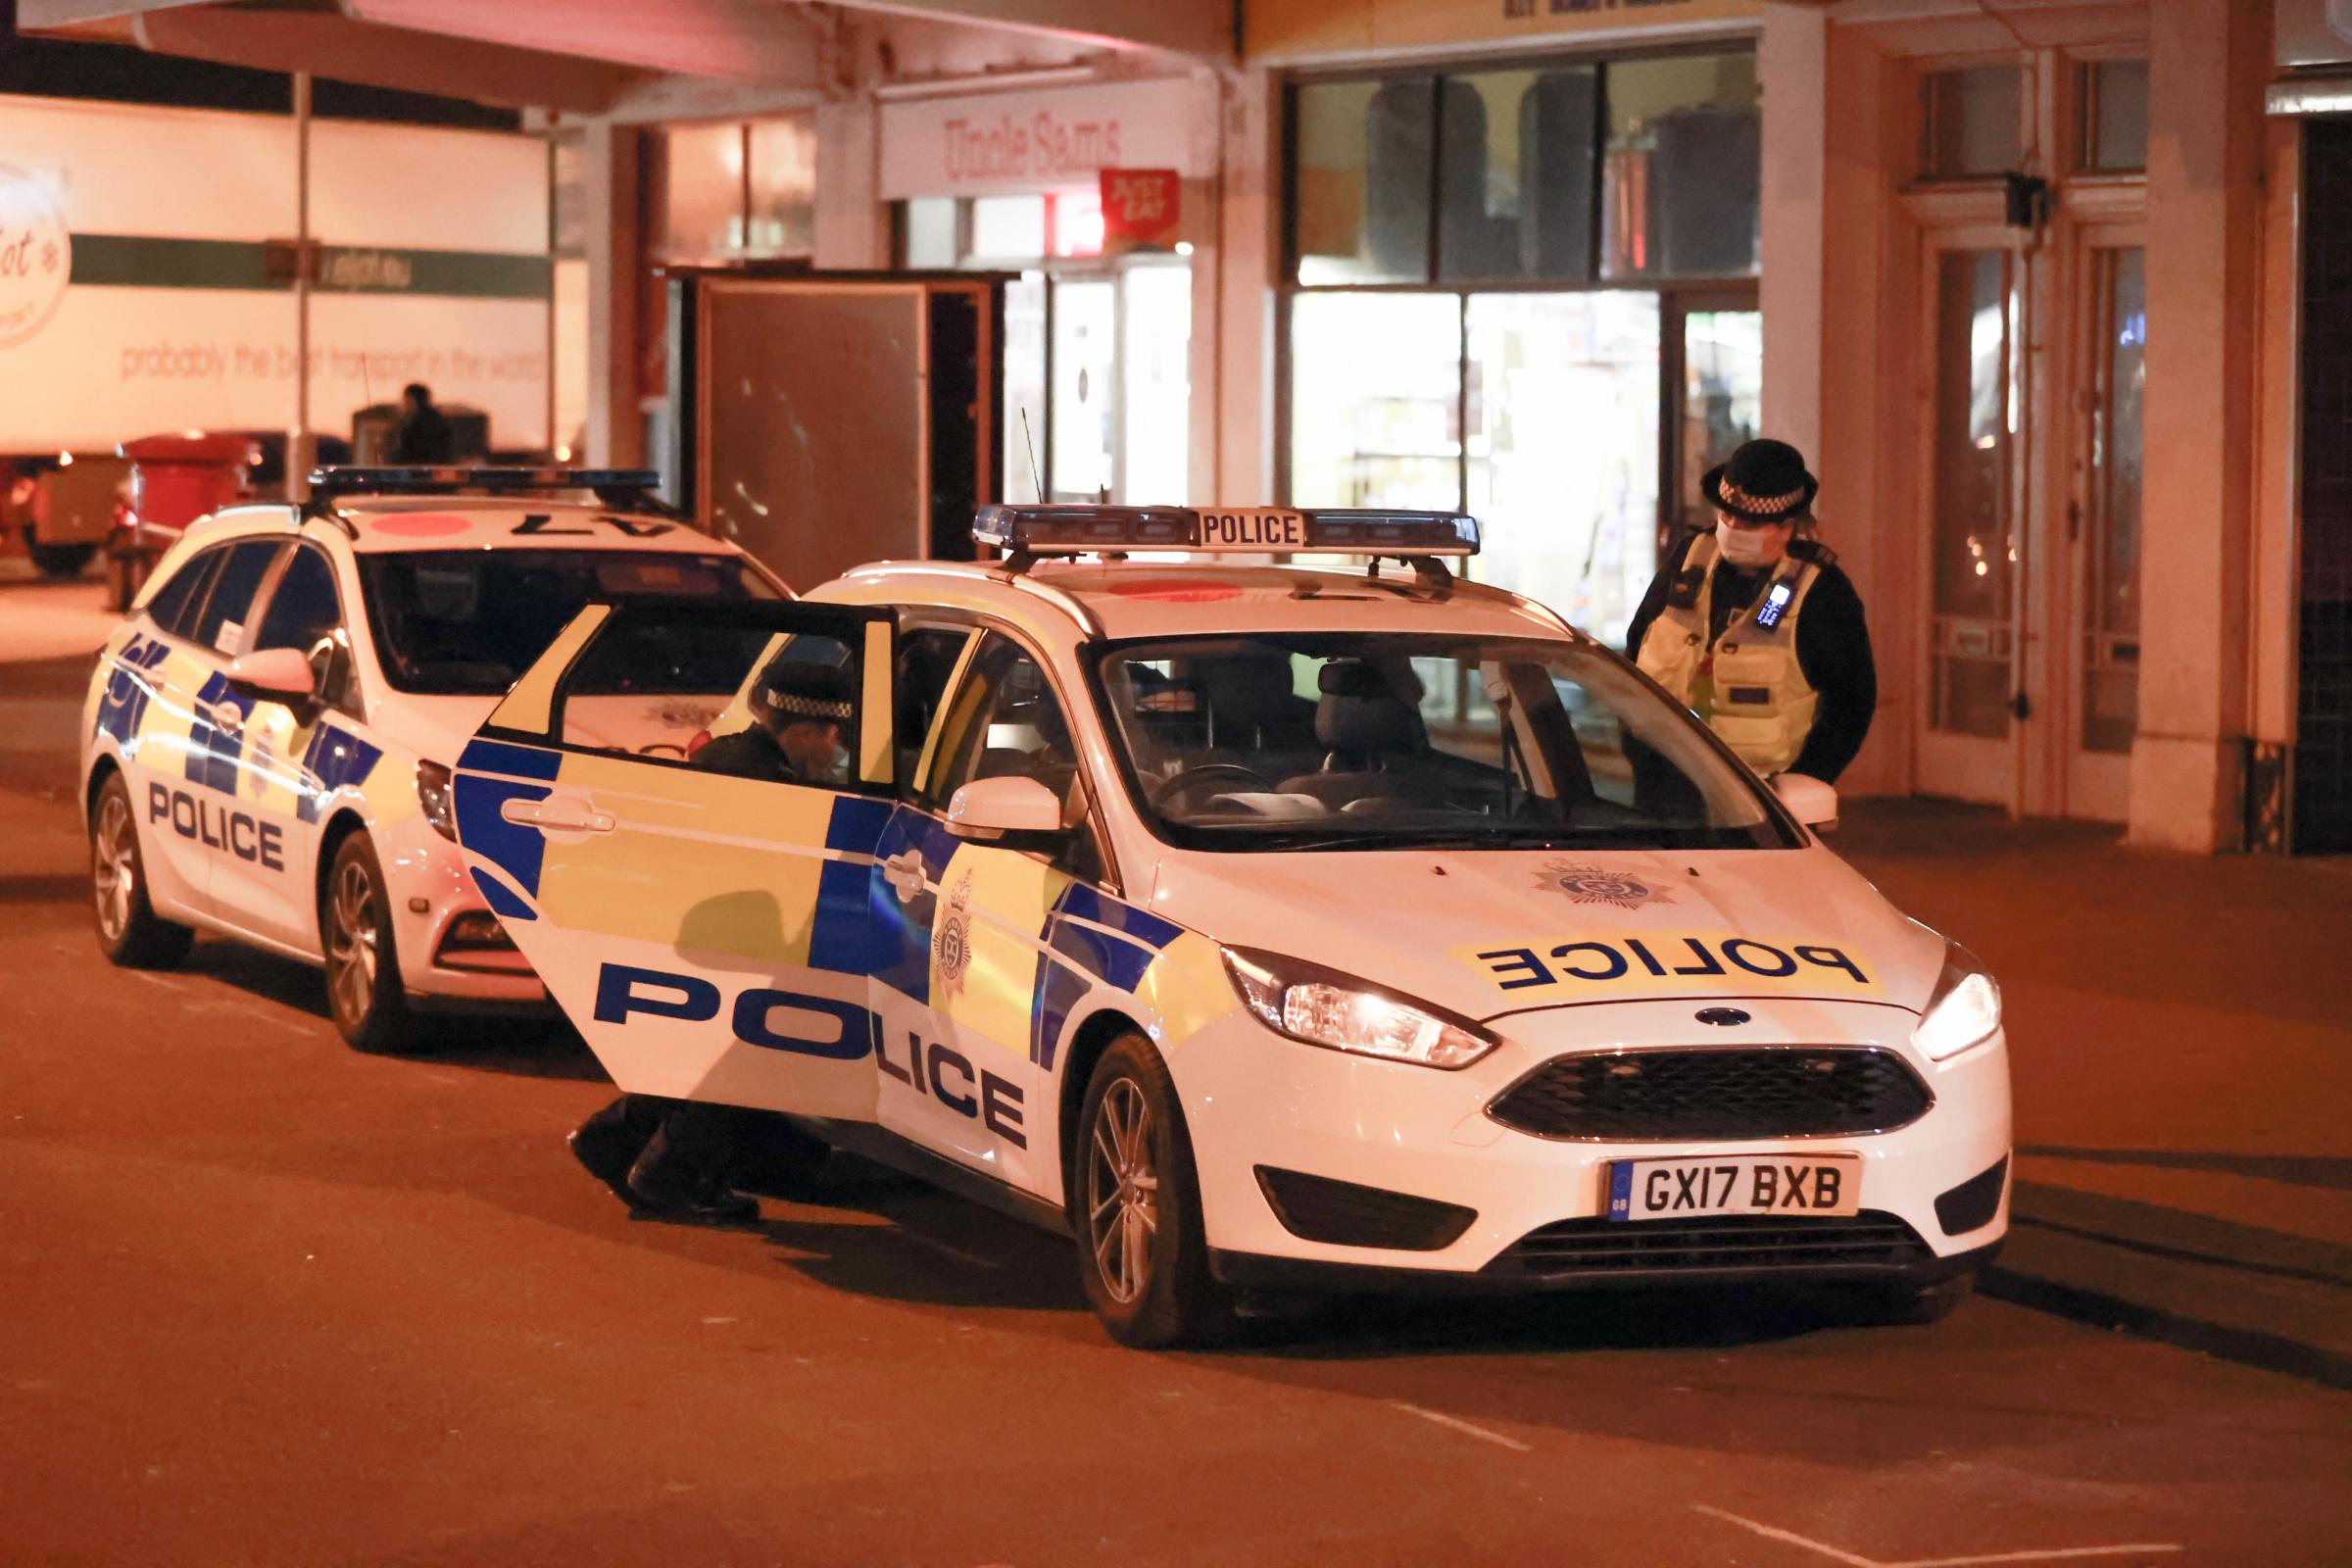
(1372, 739)
(468, 622)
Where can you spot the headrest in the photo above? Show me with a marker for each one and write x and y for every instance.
(1358, 712)
(1243, 690)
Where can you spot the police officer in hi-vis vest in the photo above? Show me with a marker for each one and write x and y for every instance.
(1754, 628)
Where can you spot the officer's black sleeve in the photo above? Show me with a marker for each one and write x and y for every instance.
(1653, 602)
(1832, 648)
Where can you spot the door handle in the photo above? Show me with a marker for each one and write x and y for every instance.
(225, 717)
(904, 872)
(558, 814)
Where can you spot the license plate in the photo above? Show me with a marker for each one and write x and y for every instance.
(1734, 1184)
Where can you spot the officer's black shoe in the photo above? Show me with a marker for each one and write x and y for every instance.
(606, 1164)
(715, 1207)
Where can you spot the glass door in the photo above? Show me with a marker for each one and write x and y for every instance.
(1974, 504)
(1086, 392)
(2102, 524)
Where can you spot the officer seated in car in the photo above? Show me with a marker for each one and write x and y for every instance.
(798, 710)
(682, 1159)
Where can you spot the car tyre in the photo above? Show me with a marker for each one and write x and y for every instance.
(59, 561)
(362, 964)
(129, 931)
(1135, 1206)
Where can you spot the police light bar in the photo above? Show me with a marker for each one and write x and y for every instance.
(425, 480)
(1049, 529)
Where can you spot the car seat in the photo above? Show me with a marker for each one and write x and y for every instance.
(1362, 721)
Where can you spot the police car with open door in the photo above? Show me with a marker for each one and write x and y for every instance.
(269, 734)
(1258, 926)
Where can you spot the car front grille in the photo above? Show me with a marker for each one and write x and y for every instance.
(1682, 1096)
(1602, 1246)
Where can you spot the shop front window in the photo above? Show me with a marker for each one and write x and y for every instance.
(1360, 186)
(1376, 388)
(1970, 120)
(1544, 411)
(1563, 449)
(1723, 394)
(738, 190)
(1683, 186)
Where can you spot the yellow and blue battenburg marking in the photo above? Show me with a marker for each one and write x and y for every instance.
(223, 758)
(1001, 945)
(518, 852)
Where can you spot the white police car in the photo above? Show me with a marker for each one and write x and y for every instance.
(1258, 926)
(267, 737)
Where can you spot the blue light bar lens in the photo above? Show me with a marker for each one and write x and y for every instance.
(423, 479)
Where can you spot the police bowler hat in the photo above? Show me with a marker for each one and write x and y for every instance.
(798, 691)
(1765, 481)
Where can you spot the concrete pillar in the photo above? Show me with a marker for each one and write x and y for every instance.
(1242, 261)
(609, 178)
(1792, 70)
(853, 222)
(2208, 61)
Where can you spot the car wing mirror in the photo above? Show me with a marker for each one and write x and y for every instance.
(1811, 801)
(280, 674)
(991, 807)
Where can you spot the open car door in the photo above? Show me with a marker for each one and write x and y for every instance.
(675, 813)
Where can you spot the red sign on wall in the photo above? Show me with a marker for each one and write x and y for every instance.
(1139, 209)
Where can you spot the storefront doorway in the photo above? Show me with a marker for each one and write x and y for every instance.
(2031, 335)
(1096, 348)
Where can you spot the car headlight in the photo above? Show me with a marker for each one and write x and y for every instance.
(434, 795)
(1320, 1007)
(1965, 1009)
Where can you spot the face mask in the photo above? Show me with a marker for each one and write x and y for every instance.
(1751, 547)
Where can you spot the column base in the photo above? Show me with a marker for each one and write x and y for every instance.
(2187, 794)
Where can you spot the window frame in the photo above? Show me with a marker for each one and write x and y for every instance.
(229, 547)
(343, 668)
(844, 623)
(916, 793)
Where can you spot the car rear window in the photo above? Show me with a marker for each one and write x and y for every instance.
(468, 623)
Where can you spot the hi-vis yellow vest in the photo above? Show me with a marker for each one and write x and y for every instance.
(1757, 697)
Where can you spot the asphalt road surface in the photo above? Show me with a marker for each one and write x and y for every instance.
(266, 1301)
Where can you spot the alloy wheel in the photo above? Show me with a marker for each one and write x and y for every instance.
(114, 868)
(1122, 1192)
(351, 955)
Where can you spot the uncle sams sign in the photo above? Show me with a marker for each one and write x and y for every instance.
(36, 256)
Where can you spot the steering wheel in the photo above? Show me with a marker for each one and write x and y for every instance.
(1192, 776)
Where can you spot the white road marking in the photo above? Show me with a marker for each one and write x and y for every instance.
(1986, 1560)
(1457, 1424)
(920, 1239)
(1791, 1536)
(2134, 1549)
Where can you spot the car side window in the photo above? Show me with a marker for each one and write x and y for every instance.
(1006, 720)
(305, 613)
(174, 605)
(225, 609)
(927, 657)
(303, 607)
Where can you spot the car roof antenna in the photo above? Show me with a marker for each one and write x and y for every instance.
(1037, 480)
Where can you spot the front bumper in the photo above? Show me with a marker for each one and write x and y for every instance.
(1537, 1207)
(430, 892)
